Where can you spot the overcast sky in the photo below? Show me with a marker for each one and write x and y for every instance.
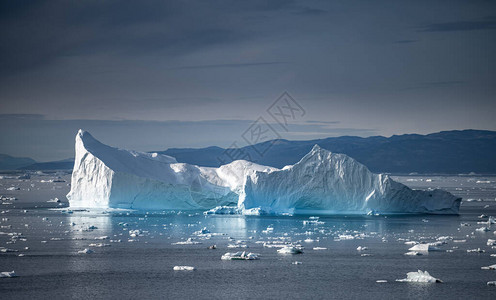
(150, 75)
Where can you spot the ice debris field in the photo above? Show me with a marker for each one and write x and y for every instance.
(50, 248)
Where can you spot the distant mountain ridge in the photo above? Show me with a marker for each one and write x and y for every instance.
(449, 152)
(446, 152)
(8, 162)
(65, 164)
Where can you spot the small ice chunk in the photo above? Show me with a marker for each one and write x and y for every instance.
(296, 263)
(483, 229)
(8, 274)
(239, 256)
(99, 245)
(223, 210)
(424, 247)
(85, 251)
(478, 250)
(491, 267)
(493, 283)
(413, 253)
(360, 248)
(183, 268)
(319, 248)
(419, 276)
(189, 241)
(203, 231)
(289, 250)
(381, 281)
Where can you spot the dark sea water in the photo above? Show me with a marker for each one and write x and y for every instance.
(142, 266)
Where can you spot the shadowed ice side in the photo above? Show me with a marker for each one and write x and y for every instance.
(321, 182)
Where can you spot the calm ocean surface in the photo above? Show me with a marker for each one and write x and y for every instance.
(139, 250)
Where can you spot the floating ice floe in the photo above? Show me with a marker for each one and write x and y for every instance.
(5, 250)
(237, 246)
(290, 250)
(493, 283)
(85, 251)
(478, 250)
(491, 267)
(189, 241)
(483, 229)
(413, 253)
(183, 268)
(8, 274)
(203, 231)
(313, 222)
(346, 237)
(223, 210)
(239, 256)
(360, 248)
(381, 281)
(319, 248)
(424, 248)
(419, 276)
(99, 245)
(491, 242)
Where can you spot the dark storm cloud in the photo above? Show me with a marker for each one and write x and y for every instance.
(41, 32)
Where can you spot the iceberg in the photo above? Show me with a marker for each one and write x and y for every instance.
(8, 274)
(290, 250)
(321, 182)
(419, 276)
(424, 248)
(239, 256)
(85, 251)
(108, 177)
(183, 268)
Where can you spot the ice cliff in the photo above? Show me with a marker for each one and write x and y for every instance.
(325, 182)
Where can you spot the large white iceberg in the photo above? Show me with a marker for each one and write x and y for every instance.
(321, 182)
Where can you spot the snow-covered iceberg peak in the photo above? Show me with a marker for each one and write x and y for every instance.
(321, 182)
(336, 183)
(105, 176)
